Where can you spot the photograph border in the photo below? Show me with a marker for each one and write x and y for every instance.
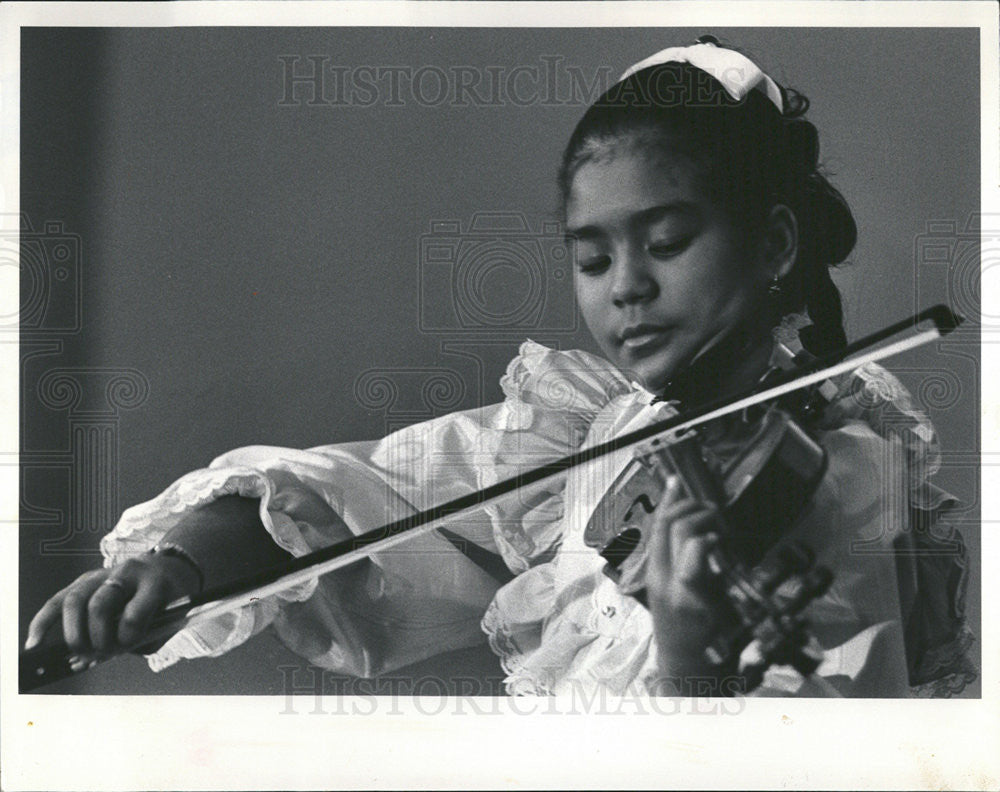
(206, 742)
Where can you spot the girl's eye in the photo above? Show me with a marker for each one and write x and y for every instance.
(668, 249)
(595, 265)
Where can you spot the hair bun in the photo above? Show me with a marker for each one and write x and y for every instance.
(827, 228)
(803, 144)
(832, 231)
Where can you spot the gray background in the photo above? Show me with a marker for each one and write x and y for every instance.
(252, 261)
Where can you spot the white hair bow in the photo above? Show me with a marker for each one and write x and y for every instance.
(737, 73)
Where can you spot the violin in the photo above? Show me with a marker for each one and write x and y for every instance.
(763, 486)
(759, 489)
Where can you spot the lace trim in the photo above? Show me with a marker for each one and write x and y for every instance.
(517, 681)
(572, 382)
(189, 644)
(948, 668)
(551, 399)
(946, 687)
(224, 633)
(870, 394)
(143, 525)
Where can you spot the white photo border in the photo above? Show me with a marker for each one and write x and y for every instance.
(84, 742)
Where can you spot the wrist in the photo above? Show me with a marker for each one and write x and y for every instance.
(227, 539)
(182, 560)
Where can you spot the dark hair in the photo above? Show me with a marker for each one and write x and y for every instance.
(755, 157)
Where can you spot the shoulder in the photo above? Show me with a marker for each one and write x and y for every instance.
(873, 411)
(875, 396)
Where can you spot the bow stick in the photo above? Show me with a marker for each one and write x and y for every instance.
(45, 664)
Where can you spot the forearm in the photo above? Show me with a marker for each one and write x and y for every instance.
(226, 539)
(362, 619)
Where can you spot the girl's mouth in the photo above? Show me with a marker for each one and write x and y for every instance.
(643, 336)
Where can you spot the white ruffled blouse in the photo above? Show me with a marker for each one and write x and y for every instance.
(560, 621)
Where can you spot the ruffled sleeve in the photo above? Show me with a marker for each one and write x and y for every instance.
(142, 526)
(411, 604)
(426, 597)
(931, 559)
(551, 401)
(893, 622)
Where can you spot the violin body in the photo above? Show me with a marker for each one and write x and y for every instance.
(760, 474)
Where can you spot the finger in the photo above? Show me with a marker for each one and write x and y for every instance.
(691, 563)
(665, 522)
(681, 520)
(44, 619)
(149, 599)
(104, 610)
(80, 662)
(672, 490)
(694, 523)
(665, 515)
(679, 552)
(74, 616)
(659, 567)
(673, 503)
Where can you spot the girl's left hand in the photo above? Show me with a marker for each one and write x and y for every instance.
(686, 596)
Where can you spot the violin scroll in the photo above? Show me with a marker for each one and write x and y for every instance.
(769, 602)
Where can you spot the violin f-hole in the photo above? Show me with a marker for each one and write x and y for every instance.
(643, 500)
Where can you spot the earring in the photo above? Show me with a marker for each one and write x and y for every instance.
(774, 288)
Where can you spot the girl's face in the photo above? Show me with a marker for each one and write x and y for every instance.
(661, 269)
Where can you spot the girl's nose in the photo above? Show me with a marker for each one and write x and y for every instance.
(632, 283)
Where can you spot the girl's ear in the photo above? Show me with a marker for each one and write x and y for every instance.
(779, 243)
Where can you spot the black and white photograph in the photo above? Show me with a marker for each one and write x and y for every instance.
(466, 395)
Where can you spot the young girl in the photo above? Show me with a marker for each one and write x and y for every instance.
(703, 232)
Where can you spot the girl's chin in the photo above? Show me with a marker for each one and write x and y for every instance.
(653, 372)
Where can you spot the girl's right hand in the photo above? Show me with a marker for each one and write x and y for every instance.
(107, 611)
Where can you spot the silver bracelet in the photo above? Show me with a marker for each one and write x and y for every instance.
(172, 550)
